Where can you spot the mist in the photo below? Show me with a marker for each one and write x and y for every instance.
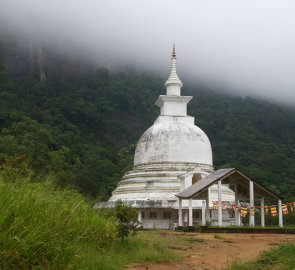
(244, 47)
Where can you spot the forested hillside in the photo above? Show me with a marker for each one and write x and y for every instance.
(82, 126)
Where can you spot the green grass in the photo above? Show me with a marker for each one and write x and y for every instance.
(286, 226)
(228, 241)
(144, 247)
(279, 258)
(194, 240)
(47, 228)
(42, 227)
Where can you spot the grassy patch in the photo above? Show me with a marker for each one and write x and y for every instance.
(194, 240)
(228, 241)
(281, 257)
(46, 228)
(139, 249)
(42, 227)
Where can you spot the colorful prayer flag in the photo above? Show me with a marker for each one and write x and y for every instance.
(273, 210)
(215, 205)
(244, 211)
(284, 209)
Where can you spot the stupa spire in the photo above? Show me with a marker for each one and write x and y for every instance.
(173, 81)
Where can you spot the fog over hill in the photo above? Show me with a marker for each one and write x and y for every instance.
(247, 47)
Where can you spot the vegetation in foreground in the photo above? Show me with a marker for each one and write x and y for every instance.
(42, 227)
(280, 258)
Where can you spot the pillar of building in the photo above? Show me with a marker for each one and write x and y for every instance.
(190, 214)
(185, 216)
(280, 213)
(207, 205)
(139, 217)
(203, 213)
(219, 205)
(251, 216)
(180, 223)
(237, 213)
(262, 212)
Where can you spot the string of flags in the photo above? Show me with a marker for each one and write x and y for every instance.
(245, 207)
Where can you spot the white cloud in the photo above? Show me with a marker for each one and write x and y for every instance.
(247, 46)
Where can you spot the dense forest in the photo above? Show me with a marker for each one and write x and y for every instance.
(82, 127)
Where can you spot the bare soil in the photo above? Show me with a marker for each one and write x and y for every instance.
(217, 251)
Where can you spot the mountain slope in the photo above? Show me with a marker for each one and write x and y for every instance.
(82, 127)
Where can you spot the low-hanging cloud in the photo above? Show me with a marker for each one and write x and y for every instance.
(247, 46)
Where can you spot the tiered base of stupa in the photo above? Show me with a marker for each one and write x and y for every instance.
(152, 188)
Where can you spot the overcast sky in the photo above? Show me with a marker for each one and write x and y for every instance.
(243, 45)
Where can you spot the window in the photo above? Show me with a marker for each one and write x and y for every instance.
(196, 214)
(166, 214)
(142, 214)
(153, 214)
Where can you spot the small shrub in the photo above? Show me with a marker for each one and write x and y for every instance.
(126, 220)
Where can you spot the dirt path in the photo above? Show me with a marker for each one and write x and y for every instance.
(217, 251)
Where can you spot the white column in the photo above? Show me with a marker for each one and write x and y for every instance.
(185, 217)
(203, 213)
(237, 214)
(280, 213)
(190, 213)
(207, 205)
(139, 216)
(262, 212)
(180, 223)
(219, 205)
(251, 218)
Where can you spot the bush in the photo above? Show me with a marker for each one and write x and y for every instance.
(126, 220)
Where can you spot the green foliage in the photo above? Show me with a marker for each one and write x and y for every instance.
(144, 247)
(43, 227)
(46, 228)
(281, 257)
(126, 220)
(82, 129)
(14, 167)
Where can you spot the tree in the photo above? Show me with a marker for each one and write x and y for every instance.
(126, 219)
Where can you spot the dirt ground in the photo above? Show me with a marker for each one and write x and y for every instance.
(217, 251)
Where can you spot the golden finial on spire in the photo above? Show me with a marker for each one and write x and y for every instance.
(173, 52)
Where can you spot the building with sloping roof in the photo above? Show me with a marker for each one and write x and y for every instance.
(244, 187)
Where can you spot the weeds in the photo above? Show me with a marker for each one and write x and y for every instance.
(42, 227)
(47, 228)
(194, 240)
(281, 257)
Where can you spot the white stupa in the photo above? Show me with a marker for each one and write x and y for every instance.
(170, 156)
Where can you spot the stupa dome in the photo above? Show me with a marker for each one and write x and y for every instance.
(173, 141)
